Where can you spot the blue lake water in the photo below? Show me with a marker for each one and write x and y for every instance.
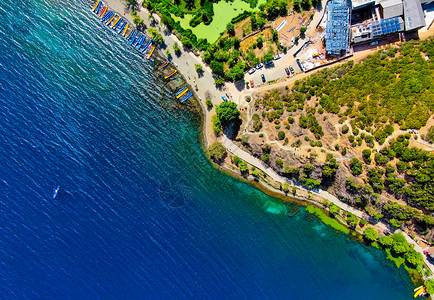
(140, 213)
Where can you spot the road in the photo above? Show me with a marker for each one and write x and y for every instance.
(259, 164)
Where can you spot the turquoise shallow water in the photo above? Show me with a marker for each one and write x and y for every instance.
(141, 212)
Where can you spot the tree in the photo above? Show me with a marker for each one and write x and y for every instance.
(367, 155)
(352, 220)
(176, 49)
(217, 67)
(386, 241)
(281, 135)
(356, 166)
(186, 42)
(370, 234)
(243, 166)
(208, 103)
(259, 41)
(217, 151)
(430, 134)
(429, 284)
(400, 244)
(131, 3)
(415, 259)
(334, 209)
(230, 28)
(303, 30)
(198, 68)
(227, 112)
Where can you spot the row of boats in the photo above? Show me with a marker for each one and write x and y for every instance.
(184, 94)
(122, 27)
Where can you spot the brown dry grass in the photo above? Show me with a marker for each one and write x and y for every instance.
(267, 36)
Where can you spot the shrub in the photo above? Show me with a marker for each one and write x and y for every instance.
(208, 103)
(281, 135)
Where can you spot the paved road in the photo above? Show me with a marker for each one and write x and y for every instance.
(259, 164)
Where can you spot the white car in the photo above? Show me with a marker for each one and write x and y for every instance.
(252, 70)
(259, 66)
(277, 56)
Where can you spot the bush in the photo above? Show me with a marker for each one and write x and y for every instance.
(281, 135)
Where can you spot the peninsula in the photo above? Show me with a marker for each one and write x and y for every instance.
(341, 119)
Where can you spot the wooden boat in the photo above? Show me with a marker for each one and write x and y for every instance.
(96, 5)
(115, 22)
(163, 65)
(182, 93)
(125, 29)
(111, 19)
(150, 53)
(171, 74)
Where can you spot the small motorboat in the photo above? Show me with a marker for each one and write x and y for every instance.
(56, 191)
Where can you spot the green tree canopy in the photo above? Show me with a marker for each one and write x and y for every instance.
(370, 234)
(227, 112)
(217, 151)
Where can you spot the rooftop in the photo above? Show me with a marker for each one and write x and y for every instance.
(391, 8)
(413, 15)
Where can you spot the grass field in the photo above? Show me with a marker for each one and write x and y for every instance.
(224, 12)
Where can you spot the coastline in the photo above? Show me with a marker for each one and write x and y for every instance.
(207, 90)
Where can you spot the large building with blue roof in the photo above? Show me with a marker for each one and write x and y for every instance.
(380, 18)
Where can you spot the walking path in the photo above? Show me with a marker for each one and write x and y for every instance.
(259, 164)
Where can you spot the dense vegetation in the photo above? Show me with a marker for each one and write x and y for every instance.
(393, 86)
(389, 90)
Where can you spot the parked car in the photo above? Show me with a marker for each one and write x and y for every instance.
(263, 77)
(277, 56)
(292, 70)
(251, 84)
(287, 71)
(224, 98)
(259, 66)
(252, 70)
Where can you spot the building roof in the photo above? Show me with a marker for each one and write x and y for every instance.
(392, 8)
(384, 27)
(356, 4)
(413, 15)
(338, 26)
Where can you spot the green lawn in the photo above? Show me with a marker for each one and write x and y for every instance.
(224, 12)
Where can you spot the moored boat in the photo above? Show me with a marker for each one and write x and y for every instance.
(186, 97)
(141, 43)
(111, 19)
(107, 16)
(150, 53)
(182, 93)
(96, 5)
(121, 27)
(181, 90)
(115, 22)
(103, 12)
(171, 74)
(125, 30)
(146, 46)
